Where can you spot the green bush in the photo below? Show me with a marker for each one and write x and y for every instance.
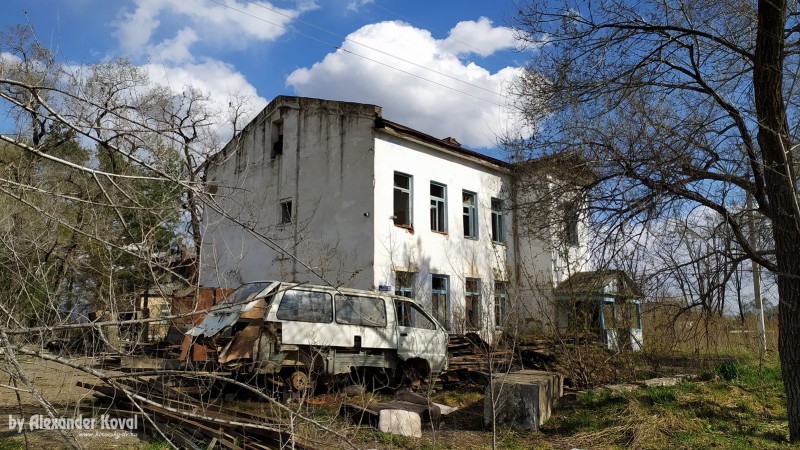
(661, 395)
(728, 370)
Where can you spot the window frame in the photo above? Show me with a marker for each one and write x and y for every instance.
(473, 323)
(501, 303)
(634, 315)
(329, 301)
(470, 214)
(438, 208)
(338, 307)
(284, 218)
(572, 223)
(402, 289)
(498, 227)
(436, 304)
(409, 193)
(276, 139)
(406, 311)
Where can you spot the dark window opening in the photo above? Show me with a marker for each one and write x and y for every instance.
(571, 217)
(402, 199)
(286, 212)
(277, 139)
(440, 305)
(473, 303)
(498, 233)
(470, 214)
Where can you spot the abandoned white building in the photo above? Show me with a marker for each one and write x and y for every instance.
(325, 192)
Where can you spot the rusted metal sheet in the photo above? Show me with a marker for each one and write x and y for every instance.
(228, 314)
(242, 344)
(206, 298)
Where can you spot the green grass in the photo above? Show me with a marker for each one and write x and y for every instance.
(8, 444)
(155, 445)
(740, 405)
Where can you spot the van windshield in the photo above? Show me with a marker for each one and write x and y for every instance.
(246, 292)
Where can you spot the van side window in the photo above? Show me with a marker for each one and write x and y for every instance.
(357, 310)
(305, 306)
(409, 315)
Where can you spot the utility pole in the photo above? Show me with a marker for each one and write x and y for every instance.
(762, 334)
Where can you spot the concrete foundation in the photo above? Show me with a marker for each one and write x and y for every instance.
(523, 399)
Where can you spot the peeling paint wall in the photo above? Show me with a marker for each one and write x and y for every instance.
(325, 171)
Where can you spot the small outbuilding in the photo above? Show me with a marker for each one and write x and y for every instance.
(605, 302)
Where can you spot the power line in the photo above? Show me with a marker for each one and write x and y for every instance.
(479, 50)
(338, 47)
(400, 58)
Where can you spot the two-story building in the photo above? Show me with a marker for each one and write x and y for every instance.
(330, 192)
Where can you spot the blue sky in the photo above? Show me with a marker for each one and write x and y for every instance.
(444, 67)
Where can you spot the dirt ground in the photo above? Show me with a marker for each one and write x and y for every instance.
(57, 383)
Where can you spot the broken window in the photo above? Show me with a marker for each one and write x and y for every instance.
(409, 315)
(358, 310)
(286, 212)
(440, 304)
(473, 302)
(305, 306)
(470, 214)
(402, 199)
(609, 316)
(635, 315)
(438, 207)
(583, 315)
(501, 305)
(571, 218)
(404, 284)
(277, 139)
(498, 233)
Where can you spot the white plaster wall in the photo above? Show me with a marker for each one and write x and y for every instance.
(426, 252)
(325, 170)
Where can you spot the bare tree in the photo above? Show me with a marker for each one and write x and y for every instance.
(678, 105)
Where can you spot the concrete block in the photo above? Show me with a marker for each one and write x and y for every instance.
(397, 421)
(666, 381)
(523, 399)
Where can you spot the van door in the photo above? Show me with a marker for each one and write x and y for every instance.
(419, 336)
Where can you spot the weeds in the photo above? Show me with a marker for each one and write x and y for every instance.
(8, 444)
(740, 406)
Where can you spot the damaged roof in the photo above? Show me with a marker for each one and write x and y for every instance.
(604, 282)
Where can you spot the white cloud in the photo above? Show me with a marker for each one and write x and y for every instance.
(176, 50)
(355, 5)
(478, 37)
(176, 61)
(10, 58)
(410, 99)
(215, 78)
(234, 24)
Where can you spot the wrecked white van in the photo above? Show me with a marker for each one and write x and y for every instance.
(295, 330)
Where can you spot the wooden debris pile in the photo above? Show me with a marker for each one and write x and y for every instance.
(468, 353)
(187, 421)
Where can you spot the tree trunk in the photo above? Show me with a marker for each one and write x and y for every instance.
(779, 180)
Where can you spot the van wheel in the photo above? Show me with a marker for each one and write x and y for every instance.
(408, 375)
(298, 381)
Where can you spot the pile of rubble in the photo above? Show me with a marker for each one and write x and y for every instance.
(188, 422)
